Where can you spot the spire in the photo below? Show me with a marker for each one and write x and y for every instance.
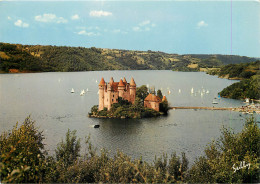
(132, 82)
(111, 81)
(121, 83)
(124, 80)
(164, 98)
(102, 82)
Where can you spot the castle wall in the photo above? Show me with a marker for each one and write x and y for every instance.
(152, 105)
(107, 96)
(110, 98)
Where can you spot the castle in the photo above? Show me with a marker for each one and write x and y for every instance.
(109, 92)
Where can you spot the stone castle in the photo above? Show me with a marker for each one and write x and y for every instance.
(109, 92)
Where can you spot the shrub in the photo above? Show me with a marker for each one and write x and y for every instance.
(22, 154)
(68, 151)
(223, 158)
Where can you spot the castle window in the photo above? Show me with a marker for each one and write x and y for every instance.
(113, 95)
(112, 100)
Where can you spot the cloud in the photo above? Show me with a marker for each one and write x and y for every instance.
(146, 25)
(101, 13)
(20, 23)
(201, 24)
(9, 18)
(50, 18)
(116, 31)
(75, 17)
(137, 29)
(83, 32)
(146, 22)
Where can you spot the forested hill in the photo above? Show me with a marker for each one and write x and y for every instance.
(248, 87)
(29, 58)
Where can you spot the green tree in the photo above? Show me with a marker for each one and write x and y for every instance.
(159, 93)
(22, 154)
(142, 92)
(67, 151)
(224, 157)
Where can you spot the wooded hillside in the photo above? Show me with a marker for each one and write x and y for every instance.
(28, 58)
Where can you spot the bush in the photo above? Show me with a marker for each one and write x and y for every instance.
(68, 151)
(22, 154)
(223, 158)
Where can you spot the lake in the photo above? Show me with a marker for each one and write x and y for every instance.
(47, 98)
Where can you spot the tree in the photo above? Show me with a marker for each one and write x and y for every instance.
(159, 93)
(233, 158)
(22, 155)
(68, 151)
(142, 92)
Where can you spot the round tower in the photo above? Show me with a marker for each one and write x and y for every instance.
(101, 91)
(132, 90)
(109, 94)
(121, 88)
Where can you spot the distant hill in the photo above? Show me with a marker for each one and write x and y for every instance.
(38, 58)
(248, 73)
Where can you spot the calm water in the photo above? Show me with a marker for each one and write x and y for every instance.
(47, 98)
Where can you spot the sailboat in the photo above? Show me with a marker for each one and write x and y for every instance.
(179, 90)
(207, 91)
(87, 89)
(72, 90)
(82, 93)
(192, 90)
(214, 102)
(247, 100)
(169, 92)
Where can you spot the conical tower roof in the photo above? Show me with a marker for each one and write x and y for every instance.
(164, 98)
(121, 84)
(124, 80)
(102, 82)
(132, 82)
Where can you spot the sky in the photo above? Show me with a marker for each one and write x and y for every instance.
(183, 27)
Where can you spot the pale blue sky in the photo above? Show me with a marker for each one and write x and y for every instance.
(182, 27)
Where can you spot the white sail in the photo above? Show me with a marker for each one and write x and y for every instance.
(72, 90)
(82, 93)
(179, 90)
(87, 89)
(192, 90)
(207, 91)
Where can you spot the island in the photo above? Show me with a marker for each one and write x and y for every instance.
(125, 100)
